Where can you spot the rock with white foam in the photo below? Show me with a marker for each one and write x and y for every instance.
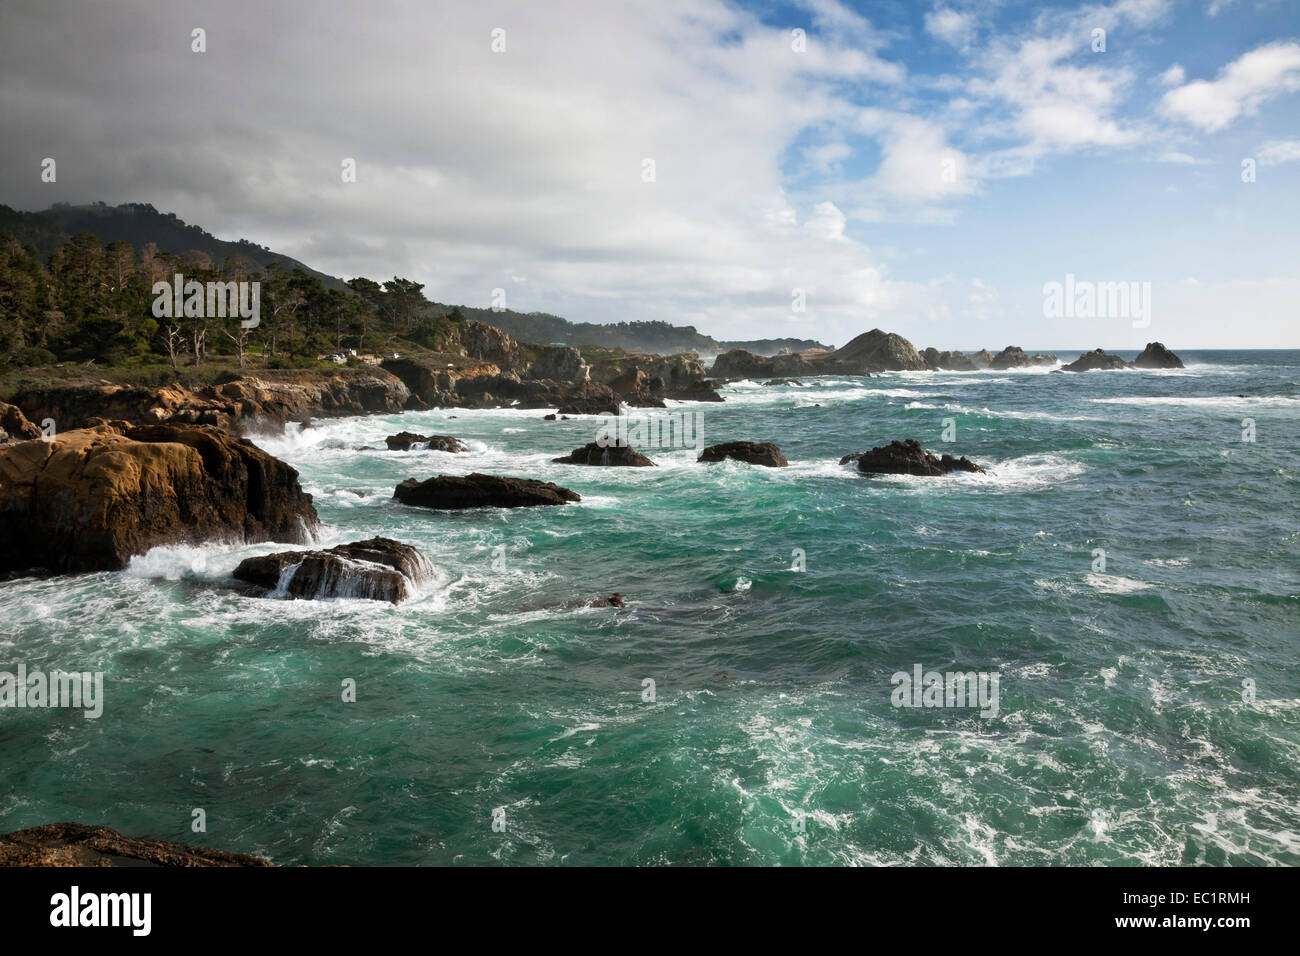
(379, 569)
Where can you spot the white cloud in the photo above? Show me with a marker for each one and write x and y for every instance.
(1240, 88)
(1181, 159)
(1278, 151)
(954, 27)
(1174, 76)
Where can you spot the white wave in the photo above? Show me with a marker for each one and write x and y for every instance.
(1198, 401)
(1002, 413)
(1114, 584)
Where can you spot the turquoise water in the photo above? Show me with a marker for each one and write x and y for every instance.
(1122, 736)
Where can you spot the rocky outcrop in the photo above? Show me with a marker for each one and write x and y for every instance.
(254, 403)
(452, 493)
(754, 453)
(644, 381)
(559, 363)
(1155, 355)
(1095, 360)
(908, 458)
(875, 351)
(489, 386)
(592, 405)
(777, 382)
(478, 340)
(14, 425)
(608, 455)
(76, 844)
(744, 364)
(379, 569)
(408, 441)
(981, 359)
(949, 361)
(90, 499)
(1013, 356)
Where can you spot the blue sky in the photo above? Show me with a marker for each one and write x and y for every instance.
(922, 167)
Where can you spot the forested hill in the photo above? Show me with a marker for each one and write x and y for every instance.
(661, 337)
(140, 224)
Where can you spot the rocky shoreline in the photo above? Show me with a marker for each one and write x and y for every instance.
(140, 468)
(78, 844)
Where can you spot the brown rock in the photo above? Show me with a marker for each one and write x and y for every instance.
(90, 499)
(76, 844)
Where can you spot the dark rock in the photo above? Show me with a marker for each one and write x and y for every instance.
(14, 426)
(451, 493)
(782, 381)
(379, 569)
(76, 844)
(875, 351)
(1155, 355)
(90, 499)
(908, 458)
(594, 454)
(764, 453)
(403, 441)
(1013, 356)
(549, 418)
(589, 406)
(1097, 359)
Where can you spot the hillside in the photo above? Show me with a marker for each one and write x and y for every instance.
(140, 224)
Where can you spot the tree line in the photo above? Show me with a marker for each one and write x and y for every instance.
(93, 301)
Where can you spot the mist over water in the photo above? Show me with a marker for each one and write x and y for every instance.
(1122, 735)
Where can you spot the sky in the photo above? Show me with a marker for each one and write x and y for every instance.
(811, 169)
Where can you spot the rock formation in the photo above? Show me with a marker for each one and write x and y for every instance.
(481, 491)
(406, 441)
(90, 499)
(76, 844)
(1155, 355)
(379, 569)
(595, 454)
(908, 458)
(254, 403)
(14, 426)
(764, 453)
(1097, 359)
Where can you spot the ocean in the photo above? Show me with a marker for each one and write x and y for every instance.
(1129, 572)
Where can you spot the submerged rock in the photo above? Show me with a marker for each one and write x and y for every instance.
(781, 381)
(593, 453)
(406, 441)
(76, 844)
(908, 458)
(754, 453)
(448, 492)
(90, 499)
(1155, 355)
(379, 569)
(1094, 360)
